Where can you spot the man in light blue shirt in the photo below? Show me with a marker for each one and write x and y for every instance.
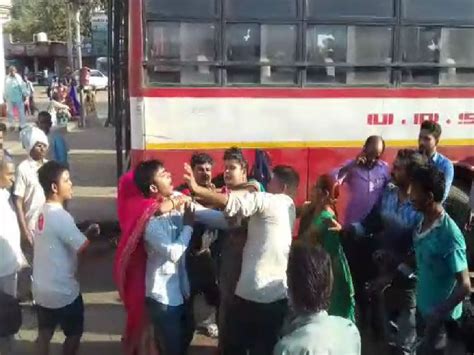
(440, 249)
(428, 140)
(15, 95)
(167, 238)
(391, 223)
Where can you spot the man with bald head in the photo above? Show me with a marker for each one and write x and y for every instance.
(366, 177)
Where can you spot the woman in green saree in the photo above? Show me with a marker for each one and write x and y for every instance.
(319, 226)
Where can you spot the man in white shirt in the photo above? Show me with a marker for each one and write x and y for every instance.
(260, 301)
(29, 196)
(28, 191)
(57, 244)
(11, 256)
(167, 237)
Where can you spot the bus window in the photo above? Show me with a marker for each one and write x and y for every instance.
(420, 45)
(181, 8)
(176, 51)
(261, 44)
(261, 9)
(326, 45)
(438, 10)
(330, 46)
(352, 8)
(278, 47)
(457, 50)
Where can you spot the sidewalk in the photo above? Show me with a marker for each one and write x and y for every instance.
(92, 160)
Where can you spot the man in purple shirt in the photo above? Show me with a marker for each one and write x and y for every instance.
(366, 177)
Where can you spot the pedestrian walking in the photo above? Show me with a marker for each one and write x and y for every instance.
(16, 94)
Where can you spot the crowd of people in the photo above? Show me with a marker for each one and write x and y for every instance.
(395, 261)
(19, 98)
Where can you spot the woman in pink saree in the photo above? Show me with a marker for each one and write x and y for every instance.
(134, 212)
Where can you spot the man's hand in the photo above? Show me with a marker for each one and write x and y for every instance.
(180, 200)
(333, 225)
(189, 178)
(361, 159)
(188, 217)
(93, 231)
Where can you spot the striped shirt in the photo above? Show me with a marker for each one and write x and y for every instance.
(395, 213)
(394, 218)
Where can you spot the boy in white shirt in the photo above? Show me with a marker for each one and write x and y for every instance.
(11, 256)
(57, 244)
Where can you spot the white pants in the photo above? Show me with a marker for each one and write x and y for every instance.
(8, 285)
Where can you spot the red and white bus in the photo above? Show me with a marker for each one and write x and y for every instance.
(305, 80)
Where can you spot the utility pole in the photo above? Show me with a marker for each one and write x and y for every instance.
(77, 26)
(70, 49)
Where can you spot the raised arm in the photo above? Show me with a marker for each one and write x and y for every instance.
(205, 195)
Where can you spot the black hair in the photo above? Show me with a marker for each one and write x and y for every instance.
(430, 179)
(287, 175)
(373, 139)
(45, 115)
(3, 127)
(309, 278)
(412, 159)
(235, 153)
(201, 159)
(49, 174)
(144, 175)
(433, 127)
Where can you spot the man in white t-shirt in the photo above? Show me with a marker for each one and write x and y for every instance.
(260, 302)
(28, 192)
(29, 196)
(57, 244)
(11, 256)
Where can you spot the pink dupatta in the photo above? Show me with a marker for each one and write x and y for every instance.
(134, 212)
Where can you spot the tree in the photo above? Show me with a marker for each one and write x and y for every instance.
(50, 16)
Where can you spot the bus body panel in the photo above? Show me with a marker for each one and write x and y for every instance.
(309, 162)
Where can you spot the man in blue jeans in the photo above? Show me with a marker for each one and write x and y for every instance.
(167, 238)
(440, 249)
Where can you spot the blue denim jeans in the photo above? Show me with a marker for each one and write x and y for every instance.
(173, 327)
